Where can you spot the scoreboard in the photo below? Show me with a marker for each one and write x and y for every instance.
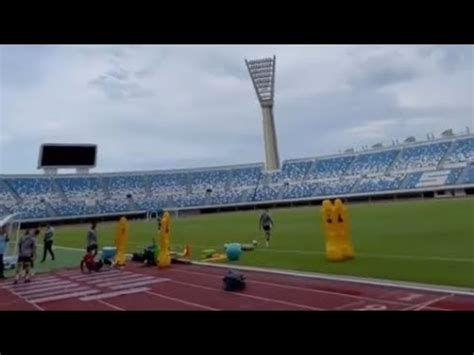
(67, 156)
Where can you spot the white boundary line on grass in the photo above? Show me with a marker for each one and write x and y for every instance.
(370, 281)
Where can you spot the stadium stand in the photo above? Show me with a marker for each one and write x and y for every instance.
(166, 183)
(462, 152)
(421, 157)
(371, 163)
(415, 166)
(215, 179)
(330, 168)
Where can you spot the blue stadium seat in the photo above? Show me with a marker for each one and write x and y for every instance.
(330, 167)
(421, 156)
(246, 176)
(168, 183)
(379, 183)
(372, 163)
(462, 152)
(215, 179)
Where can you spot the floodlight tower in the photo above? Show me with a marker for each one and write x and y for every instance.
(262, 72)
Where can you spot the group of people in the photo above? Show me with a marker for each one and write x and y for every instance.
(26, 250)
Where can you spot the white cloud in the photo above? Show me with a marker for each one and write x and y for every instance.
(151, 107)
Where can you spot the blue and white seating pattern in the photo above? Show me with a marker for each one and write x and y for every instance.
(462, 152)
(266, 193)
(372, 163)
(168, 183)
(195, 199)
(215, 179)
(299, 190)
(225, 197)
(81, 188)
(330, 168)
(291, 171)
(334, 187)
(467, 176)
(379, 183)
(32, 189)
(127, 184)
(421, 156)
(246, 176)
(416, 166)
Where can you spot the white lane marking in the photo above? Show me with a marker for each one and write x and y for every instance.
(58, 292)
(33, 286)
(114, 294)
(299, 288)
(110, 305)
(346, 279)
(143, 283)
(112, 278)
(63, 296)
(34, 281)
(127, 281)
(250, 296)
(96, 275)
(182, 301)
(348, 305)
(420, 306)
(43, 289)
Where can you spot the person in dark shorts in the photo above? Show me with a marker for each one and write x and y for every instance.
(266, 223)
(92, 245)
(48, 242)
(26, 255)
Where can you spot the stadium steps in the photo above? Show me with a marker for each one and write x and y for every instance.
(189, 188)
(147, 185)
(245, 195)
(104, 184)
(447, 154)
(350, 165)
(282, 191)
(59, 190)
(404, 182)
(354, 187)
(389, 168)
(12, 191)
(311, 167)
(131, 204)
(462, 175)
(228, 181)
(51, 211)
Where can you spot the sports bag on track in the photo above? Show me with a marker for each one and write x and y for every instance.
(234, 281)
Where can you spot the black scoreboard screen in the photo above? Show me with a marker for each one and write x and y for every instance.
(67, 155)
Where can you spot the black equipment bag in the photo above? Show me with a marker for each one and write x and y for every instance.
(234, 281)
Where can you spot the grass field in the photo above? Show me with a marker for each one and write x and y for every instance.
(420, 241)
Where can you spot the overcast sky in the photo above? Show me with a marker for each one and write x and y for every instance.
(162, 107)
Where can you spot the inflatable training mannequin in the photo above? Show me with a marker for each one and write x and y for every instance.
(164, 256)
(121, 242)
(343, 229)
(333, 242)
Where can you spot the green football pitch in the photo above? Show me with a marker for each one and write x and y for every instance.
(429, 241)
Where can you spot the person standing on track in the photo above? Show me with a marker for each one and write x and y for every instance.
(266, 223)
(92, 245)
(26, 254)
(3, 248)
(48, 242)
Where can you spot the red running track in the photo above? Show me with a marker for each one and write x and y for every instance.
(193, 287)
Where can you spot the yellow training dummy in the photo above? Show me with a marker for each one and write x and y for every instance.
(121, 242)
(164, 257)
(344, 229)
(336, 231)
